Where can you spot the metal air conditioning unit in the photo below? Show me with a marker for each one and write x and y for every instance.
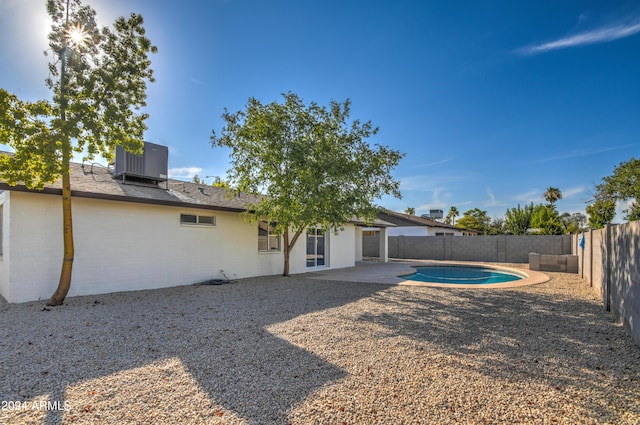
(150, 167)
(436, 214)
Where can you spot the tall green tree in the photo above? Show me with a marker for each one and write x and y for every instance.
(518, 220)
(496, 226)
(410, 211)
(573, 223)
(475, 219)
(624, 185)
(98, 78)
(545, 218)
(552, 195)
(311, 164)
(218, 182)
(451, 216)
(601, 212)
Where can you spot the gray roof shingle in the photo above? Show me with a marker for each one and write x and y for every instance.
(97, 181)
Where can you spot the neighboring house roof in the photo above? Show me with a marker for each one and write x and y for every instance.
(406, 220)
(96, 181)
(376, 223)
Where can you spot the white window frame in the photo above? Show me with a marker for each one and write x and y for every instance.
(200, 220)
(269, 237)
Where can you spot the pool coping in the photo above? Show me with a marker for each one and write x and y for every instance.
(533, 277)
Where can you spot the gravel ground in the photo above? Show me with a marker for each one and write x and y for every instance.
(299, 351)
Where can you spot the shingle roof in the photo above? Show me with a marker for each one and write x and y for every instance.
(97, 181)
(404, 220)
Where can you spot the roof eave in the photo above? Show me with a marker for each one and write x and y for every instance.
(104, 196)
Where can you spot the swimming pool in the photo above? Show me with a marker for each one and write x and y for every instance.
(464, 275)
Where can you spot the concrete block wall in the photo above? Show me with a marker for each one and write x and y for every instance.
(624, 275)
(414, 247)
(371, 246)
(474, 248)
(610, 263)
(553, 263)
(501, 248)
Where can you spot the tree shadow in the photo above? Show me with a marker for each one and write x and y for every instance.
(218, 333)
(521, 336)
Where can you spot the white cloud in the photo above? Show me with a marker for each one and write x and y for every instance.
(429, 183)
(573, 191)
(583, 152)
(600, 35)
(184, 172)
(526, 198)
(434, 163)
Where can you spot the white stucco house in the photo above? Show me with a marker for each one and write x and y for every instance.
(133, 235)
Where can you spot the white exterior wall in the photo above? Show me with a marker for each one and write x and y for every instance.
(420, 231)
(123, 246)
(408, 231)
(342, 252)
(5, 235)
(341, 249)
(358, 242)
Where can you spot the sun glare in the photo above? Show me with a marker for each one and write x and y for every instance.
(76, 35)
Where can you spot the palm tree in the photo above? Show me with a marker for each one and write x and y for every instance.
(410, 211)
(451, 216)
(552, 195)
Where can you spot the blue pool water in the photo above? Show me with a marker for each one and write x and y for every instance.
(462, 275)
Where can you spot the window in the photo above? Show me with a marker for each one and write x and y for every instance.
(202, 220)
(444, 234)
(267, 240)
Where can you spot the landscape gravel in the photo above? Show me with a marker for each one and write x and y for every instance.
(275, 350)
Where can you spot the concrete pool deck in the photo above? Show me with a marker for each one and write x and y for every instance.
(389, 273)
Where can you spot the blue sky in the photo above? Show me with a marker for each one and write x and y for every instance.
(491, 101)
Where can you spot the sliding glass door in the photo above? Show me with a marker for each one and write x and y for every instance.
(316, 248)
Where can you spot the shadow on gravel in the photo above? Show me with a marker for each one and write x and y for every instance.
(520, 335)
(218, 333)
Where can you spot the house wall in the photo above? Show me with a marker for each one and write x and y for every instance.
(420, 231)
(5, 235)
(358, 242)
(408, 231)
(342, 252)
(121, 246)
(341, 249)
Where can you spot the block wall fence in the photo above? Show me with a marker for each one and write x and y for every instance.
(499, 249)
(609, 260)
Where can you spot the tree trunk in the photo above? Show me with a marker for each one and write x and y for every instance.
(67, 224)
(287, 248)
(285, 271)
(67, 261)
